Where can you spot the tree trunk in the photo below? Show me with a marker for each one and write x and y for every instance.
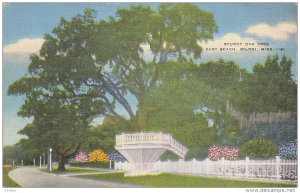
(142, 117)
(61, 163)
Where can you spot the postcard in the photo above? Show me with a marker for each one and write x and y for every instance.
(147, 95)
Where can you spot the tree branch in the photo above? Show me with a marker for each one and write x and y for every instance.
(108, 84)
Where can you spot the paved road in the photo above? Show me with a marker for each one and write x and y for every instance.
(30, 177)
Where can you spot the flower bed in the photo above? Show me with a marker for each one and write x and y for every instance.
(216, 152)
(95, 159)
(288, 150)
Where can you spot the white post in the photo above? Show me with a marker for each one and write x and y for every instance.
(13, 162)
(109, 164)
(207, 166)
(277, 167)
(50, 166)
(247, 167)
(22, 162)
(44, 156)
(34, 162)
(40, 161)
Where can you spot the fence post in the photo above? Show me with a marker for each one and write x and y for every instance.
(277, 167)
(207, 166)
(247, 167)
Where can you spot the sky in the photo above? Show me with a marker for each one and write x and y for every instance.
(24, 24)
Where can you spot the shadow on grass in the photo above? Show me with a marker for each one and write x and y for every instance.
(70, 169)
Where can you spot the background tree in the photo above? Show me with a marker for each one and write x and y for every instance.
(103, 135)
(270, 88)
(190, 103)
(13, 153)
(171, 105)
(22, 150)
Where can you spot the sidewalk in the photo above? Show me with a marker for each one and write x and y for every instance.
(30, 177)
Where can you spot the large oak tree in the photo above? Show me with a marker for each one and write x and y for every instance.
(85, 66)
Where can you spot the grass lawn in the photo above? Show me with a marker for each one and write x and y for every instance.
(7, 181)
(177, 180)
(71, 169)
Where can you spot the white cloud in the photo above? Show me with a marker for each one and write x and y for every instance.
(24, 46)
(280, 31)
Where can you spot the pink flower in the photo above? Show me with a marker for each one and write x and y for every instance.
(216, 152)
(81, 157)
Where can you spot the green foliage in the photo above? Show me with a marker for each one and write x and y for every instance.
(85, 66)
(270, 88)
(199, 153)
(183, 24)
(7, 181)
(103, 136)
(190, 101)
(61, 107)
(59, 127)
(170, 108)
(259, 147)
(11, 153)
(118, 46)
(23, 150)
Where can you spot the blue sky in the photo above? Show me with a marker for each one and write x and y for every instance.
(24, 25)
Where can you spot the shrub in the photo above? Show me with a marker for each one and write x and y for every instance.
(98, 155)
(259, 147)
(288, 150)
(81, 157)
(116, 156)
(216, 152)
